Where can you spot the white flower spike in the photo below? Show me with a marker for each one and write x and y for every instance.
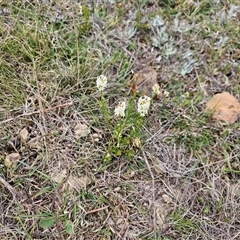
(120, 109)
(80, 9)
(156, 90)
(101, 82)
(143, 105)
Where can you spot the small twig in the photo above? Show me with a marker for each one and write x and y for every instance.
(11, 189)
(102, 225)
(97, 210)
(153, 186)
(200, 85)
(7, 229)
(38, 112)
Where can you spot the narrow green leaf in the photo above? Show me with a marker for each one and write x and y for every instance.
(47, 222)
(69, 227)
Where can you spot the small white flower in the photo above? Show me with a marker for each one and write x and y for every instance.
(120, 109)
(166, 93)
(185, 95)
(80, 9)
(101, 82)
(143, 105)
(156, 90)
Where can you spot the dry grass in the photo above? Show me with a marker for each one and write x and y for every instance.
(182, 184)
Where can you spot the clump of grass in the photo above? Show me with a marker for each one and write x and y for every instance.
(184, 224)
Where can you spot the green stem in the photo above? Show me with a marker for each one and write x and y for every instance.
(104, 109)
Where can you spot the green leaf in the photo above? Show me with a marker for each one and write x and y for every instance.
(69, 227)
(47, 222)
(206, 210)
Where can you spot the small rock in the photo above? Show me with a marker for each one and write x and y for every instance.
(24, 134)
(81, 130)
(166, 198)
(11, 160)
(143, 82)
(78, 183)
(224, 107)
(96, 137)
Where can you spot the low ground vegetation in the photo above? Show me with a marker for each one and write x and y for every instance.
(70, 168)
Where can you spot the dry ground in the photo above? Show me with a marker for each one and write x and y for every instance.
(184, 181)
